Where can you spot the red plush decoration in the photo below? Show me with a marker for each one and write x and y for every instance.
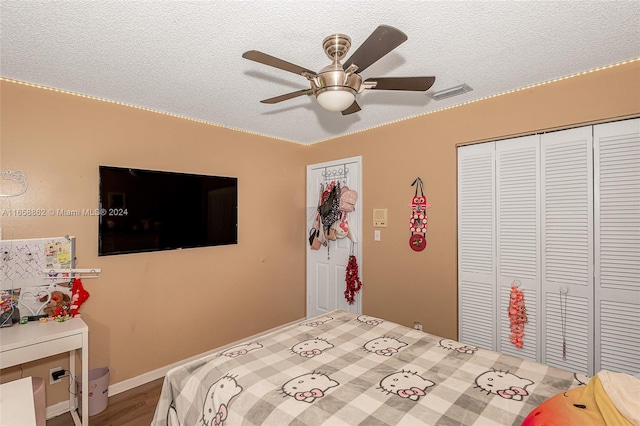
(353, 280)
(517, 316)
(78, 297)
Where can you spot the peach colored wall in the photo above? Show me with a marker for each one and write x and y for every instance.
(149, 310)
(226, 293)
(402, 285)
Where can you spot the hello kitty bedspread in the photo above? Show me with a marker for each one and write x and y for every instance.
(344, 369)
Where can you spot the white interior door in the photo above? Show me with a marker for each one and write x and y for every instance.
(567, 249)
(477, 245)
(617, 246)
(326, 268)
(518, 237)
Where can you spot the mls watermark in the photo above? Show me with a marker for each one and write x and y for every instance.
(63, 212)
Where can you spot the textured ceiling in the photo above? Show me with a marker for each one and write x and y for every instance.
(185, 57)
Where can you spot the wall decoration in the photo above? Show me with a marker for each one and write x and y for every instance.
(352, 279)
(23, 262)
(15, 183)
(418, 219)
(517, 315)
(40, 273)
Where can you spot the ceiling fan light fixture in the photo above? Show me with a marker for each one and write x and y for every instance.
(336, 85)
(336, 98)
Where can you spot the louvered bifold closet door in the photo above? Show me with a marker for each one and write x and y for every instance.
(617, 246)
(567, 249)
(476, 246)
(518, 237)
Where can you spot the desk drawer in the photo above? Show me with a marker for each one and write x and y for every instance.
(40, 350)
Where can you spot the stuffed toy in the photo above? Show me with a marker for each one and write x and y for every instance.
(58, 305)
(79, 295)
(608, 399)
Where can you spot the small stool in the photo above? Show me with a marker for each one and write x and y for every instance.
(39, 401)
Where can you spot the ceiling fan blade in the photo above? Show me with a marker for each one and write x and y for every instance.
(382, 41)
(291, 95)
(353, 108)
(419, 84)
(272, 61)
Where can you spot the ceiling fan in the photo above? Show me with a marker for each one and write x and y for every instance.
(336, 85)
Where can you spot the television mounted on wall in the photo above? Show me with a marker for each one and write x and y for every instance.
(151, 210)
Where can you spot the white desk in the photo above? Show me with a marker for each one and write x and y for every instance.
(16, 403)
(28, 342)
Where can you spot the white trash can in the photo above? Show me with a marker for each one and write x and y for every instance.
(98, 390)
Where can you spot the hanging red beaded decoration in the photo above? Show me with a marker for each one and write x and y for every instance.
(517, 315)
(352, 279)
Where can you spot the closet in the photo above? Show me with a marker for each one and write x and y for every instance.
(557, 215)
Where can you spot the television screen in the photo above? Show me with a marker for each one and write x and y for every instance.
(149, 210)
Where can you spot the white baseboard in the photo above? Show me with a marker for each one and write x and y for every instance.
(57, 409)
(125, 385)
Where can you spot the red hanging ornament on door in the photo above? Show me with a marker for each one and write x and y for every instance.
(418, 220)
(517, 315)
(353, 280)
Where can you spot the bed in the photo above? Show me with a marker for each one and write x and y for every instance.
(345, 369)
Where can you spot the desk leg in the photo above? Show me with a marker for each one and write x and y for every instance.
(72, 397)
(84, 354)
(85, 381)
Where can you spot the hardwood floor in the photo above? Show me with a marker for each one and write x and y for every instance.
(134, 407)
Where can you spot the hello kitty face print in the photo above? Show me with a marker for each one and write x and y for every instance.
(217, 400)
(369, 320)
(243, 349)
(503, 383)
(311, 347)
(457, 346)
(308, 387)
(406, 384)
(385, 346)
(317, 322)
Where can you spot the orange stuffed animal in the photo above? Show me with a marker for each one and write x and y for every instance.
(608, 399)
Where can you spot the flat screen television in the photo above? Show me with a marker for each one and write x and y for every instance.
(150, 210)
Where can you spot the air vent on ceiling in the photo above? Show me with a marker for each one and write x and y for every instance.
(450, 92)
